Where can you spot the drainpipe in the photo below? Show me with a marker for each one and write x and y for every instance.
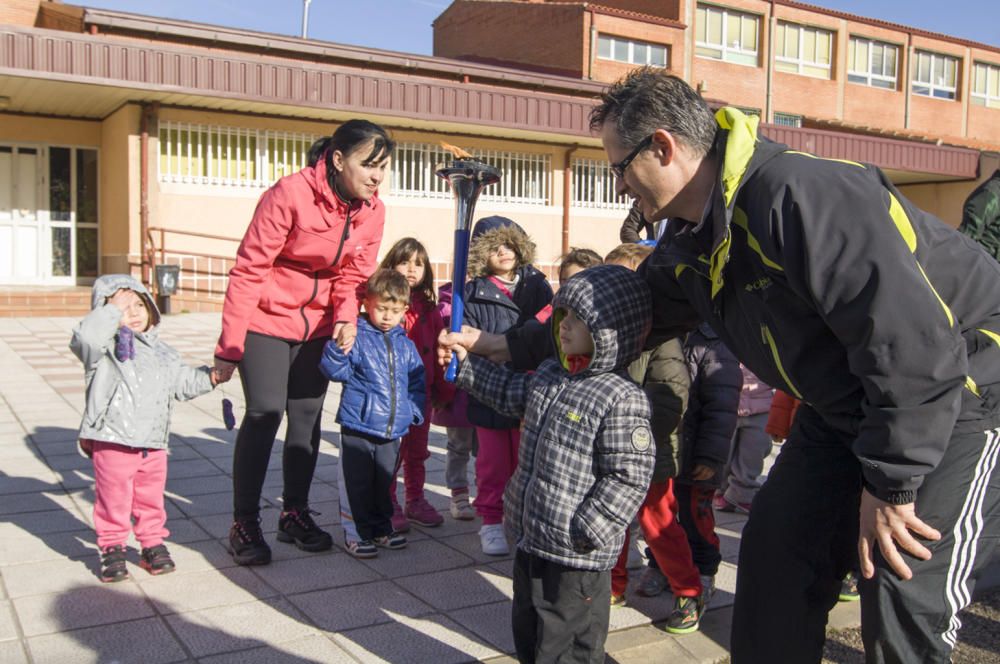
(904, 71)
(149, 113)
(567, 184)
(769, 94)
(593, 50)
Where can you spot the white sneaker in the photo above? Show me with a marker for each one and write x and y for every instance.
(493, 540)
(460, 508)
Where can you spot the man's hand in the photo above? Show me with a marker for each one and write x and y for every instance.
(222, 371)
(344, 335)
(888, 526)
(491, 346)
(702, 472)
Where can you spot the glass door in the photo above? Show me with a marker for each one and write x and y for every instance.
(73, 253)
(21, 214)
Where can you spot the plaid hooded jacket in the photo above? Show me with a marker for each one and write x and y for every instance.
(586, 451)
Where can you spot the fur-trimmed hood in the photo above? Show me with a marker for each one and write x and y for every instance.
(487, 242)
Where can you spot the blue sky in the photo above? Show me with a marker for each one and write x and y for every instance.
(405, 25)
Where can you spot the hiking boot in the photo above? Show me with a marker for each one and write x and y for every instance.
(617, 600)
(390, 541)
(156, 560)
(686, 615)
(460, 508)
(849, 588)
(296, 526)
(246, 543)
(400, 523)
(420, 511)
(652, 582)
(113, 567)
(362, 548)
(493, 541)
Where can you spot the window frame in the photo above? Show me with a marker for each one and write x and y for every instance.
(724, 48)
(933, 88)
(869, 76)
(984, 98)
(631, 44)
(800, 62)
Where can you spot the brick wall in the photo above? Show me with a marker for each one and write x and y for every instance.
(19, 12)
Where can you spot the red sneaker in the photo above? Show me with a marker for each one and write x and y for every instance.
(420, 511)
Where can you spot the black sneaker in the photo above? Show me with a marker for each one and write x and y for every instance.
(849, 588)
(246, 543)
(686, 615)
(113, 567)
(156, 560)
(391, 541)
(297, 526)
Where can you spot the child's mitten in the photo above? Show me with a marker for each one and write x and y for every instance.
(125, 344)
(227, 414)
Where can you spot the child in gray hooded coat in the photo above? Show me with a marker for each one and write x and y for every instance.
(132, 379)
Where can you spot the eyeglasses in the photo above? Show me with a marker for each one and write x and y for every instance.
(620, 167)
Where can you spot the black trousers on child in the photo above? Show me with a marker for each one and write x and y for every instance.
(560, 614)
(802, 535)
(278, 377)
(367, 466)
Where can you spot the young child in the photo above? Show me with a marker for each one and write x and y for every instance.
(750, 446)
(584, 465)
(382, 397)
(422, 323)
(504, 290)
(575, 260)
(132, 379)
(462, 443)
(663, 374)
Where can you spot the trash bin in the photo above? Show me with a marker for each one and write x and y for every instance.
(167, 277)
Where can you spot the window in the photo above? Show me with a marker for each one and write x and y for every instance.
(802, 50)
(750, 112)
(632, 52)
(986, 85)
(872, 63)
(787, 120)
(203, 154)
(935, 75)
(727, 35)
(525, 176)
(594, 186)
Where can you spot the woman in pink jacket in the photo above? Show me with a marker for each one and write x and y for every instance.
(312, 242)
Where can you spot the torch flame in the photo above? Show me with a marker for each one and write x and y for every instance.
(456, 151)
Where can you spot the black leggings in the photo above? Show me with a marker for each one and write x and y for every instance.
(278, 377)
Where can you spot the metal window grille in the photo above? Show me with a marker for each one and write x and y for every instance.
(787, 120)
(210, 154)
(525, 175)
(594, 186)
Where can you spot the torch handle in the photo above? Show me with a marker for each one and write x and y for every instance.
(461, 261)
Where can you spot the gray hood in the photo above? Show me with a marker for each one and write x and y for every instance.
(109, 284)
(616, 306)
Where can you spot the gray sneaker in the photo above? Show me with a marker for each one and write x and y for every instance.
(707, 590)
(652, 582)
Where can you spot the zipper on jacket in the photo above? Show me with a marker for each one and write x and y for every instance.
(392, 386)
(344, 234)
(768, 339)
(340, 249)
(542, 428)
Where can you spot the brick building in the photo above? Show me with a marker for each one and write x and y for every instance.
(128, 140)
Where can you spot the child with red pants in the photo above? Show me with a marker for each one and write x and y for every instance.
(504, 290)
(663, 375)
(423, 324)
(131, 377)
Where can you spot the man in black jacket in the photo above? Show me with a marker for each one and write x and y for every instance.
(981, 215)
(830, 285)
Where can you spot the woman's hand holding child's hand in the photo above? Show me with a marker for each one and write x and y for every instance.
(222, 371)
(344, 335)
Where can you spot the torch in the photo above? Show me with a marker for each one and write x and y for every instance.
(467, 177)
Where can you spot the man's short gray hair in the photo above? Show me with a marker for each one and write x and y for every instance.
(648, 99)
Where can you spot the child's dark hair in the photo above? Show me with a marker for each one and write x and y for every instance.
(630, 254)
(388, 285)
(349, 137)
(582, 258)
(401, 252)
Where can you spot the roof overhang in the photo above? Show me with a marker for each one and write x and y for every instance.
(71, 75)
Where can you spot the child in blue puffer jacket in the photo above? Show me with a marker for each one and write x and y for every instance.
(383, 395)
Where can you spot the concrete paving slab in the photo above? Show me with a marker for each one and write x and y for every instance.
(19, 547)
(12, 652)
(239, 627)
(25, 503)
(459, 588)
(490, 622)
(81, 607)
(8, 626)
(182, 593)
(351, 607)
(315, 649)
(468, 543)
(50, 576)
(147, 641)
(411, 641)
(418, 558)
(317, 571)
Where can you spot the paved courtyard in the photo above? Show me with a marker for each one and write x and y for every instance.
(440, 600)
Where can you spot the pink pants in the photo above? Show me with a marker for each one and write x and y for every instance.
(495, 464)
(129, 485)
(413, 454)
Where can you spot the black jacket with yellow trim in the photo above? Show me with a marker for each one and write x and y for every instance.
(829, 284)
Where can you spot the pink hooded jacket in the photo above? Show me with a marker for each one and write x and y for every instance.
(301, 263)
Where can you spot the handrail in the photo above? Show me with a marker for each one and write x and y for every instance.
(197, 254)
(207, 236)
